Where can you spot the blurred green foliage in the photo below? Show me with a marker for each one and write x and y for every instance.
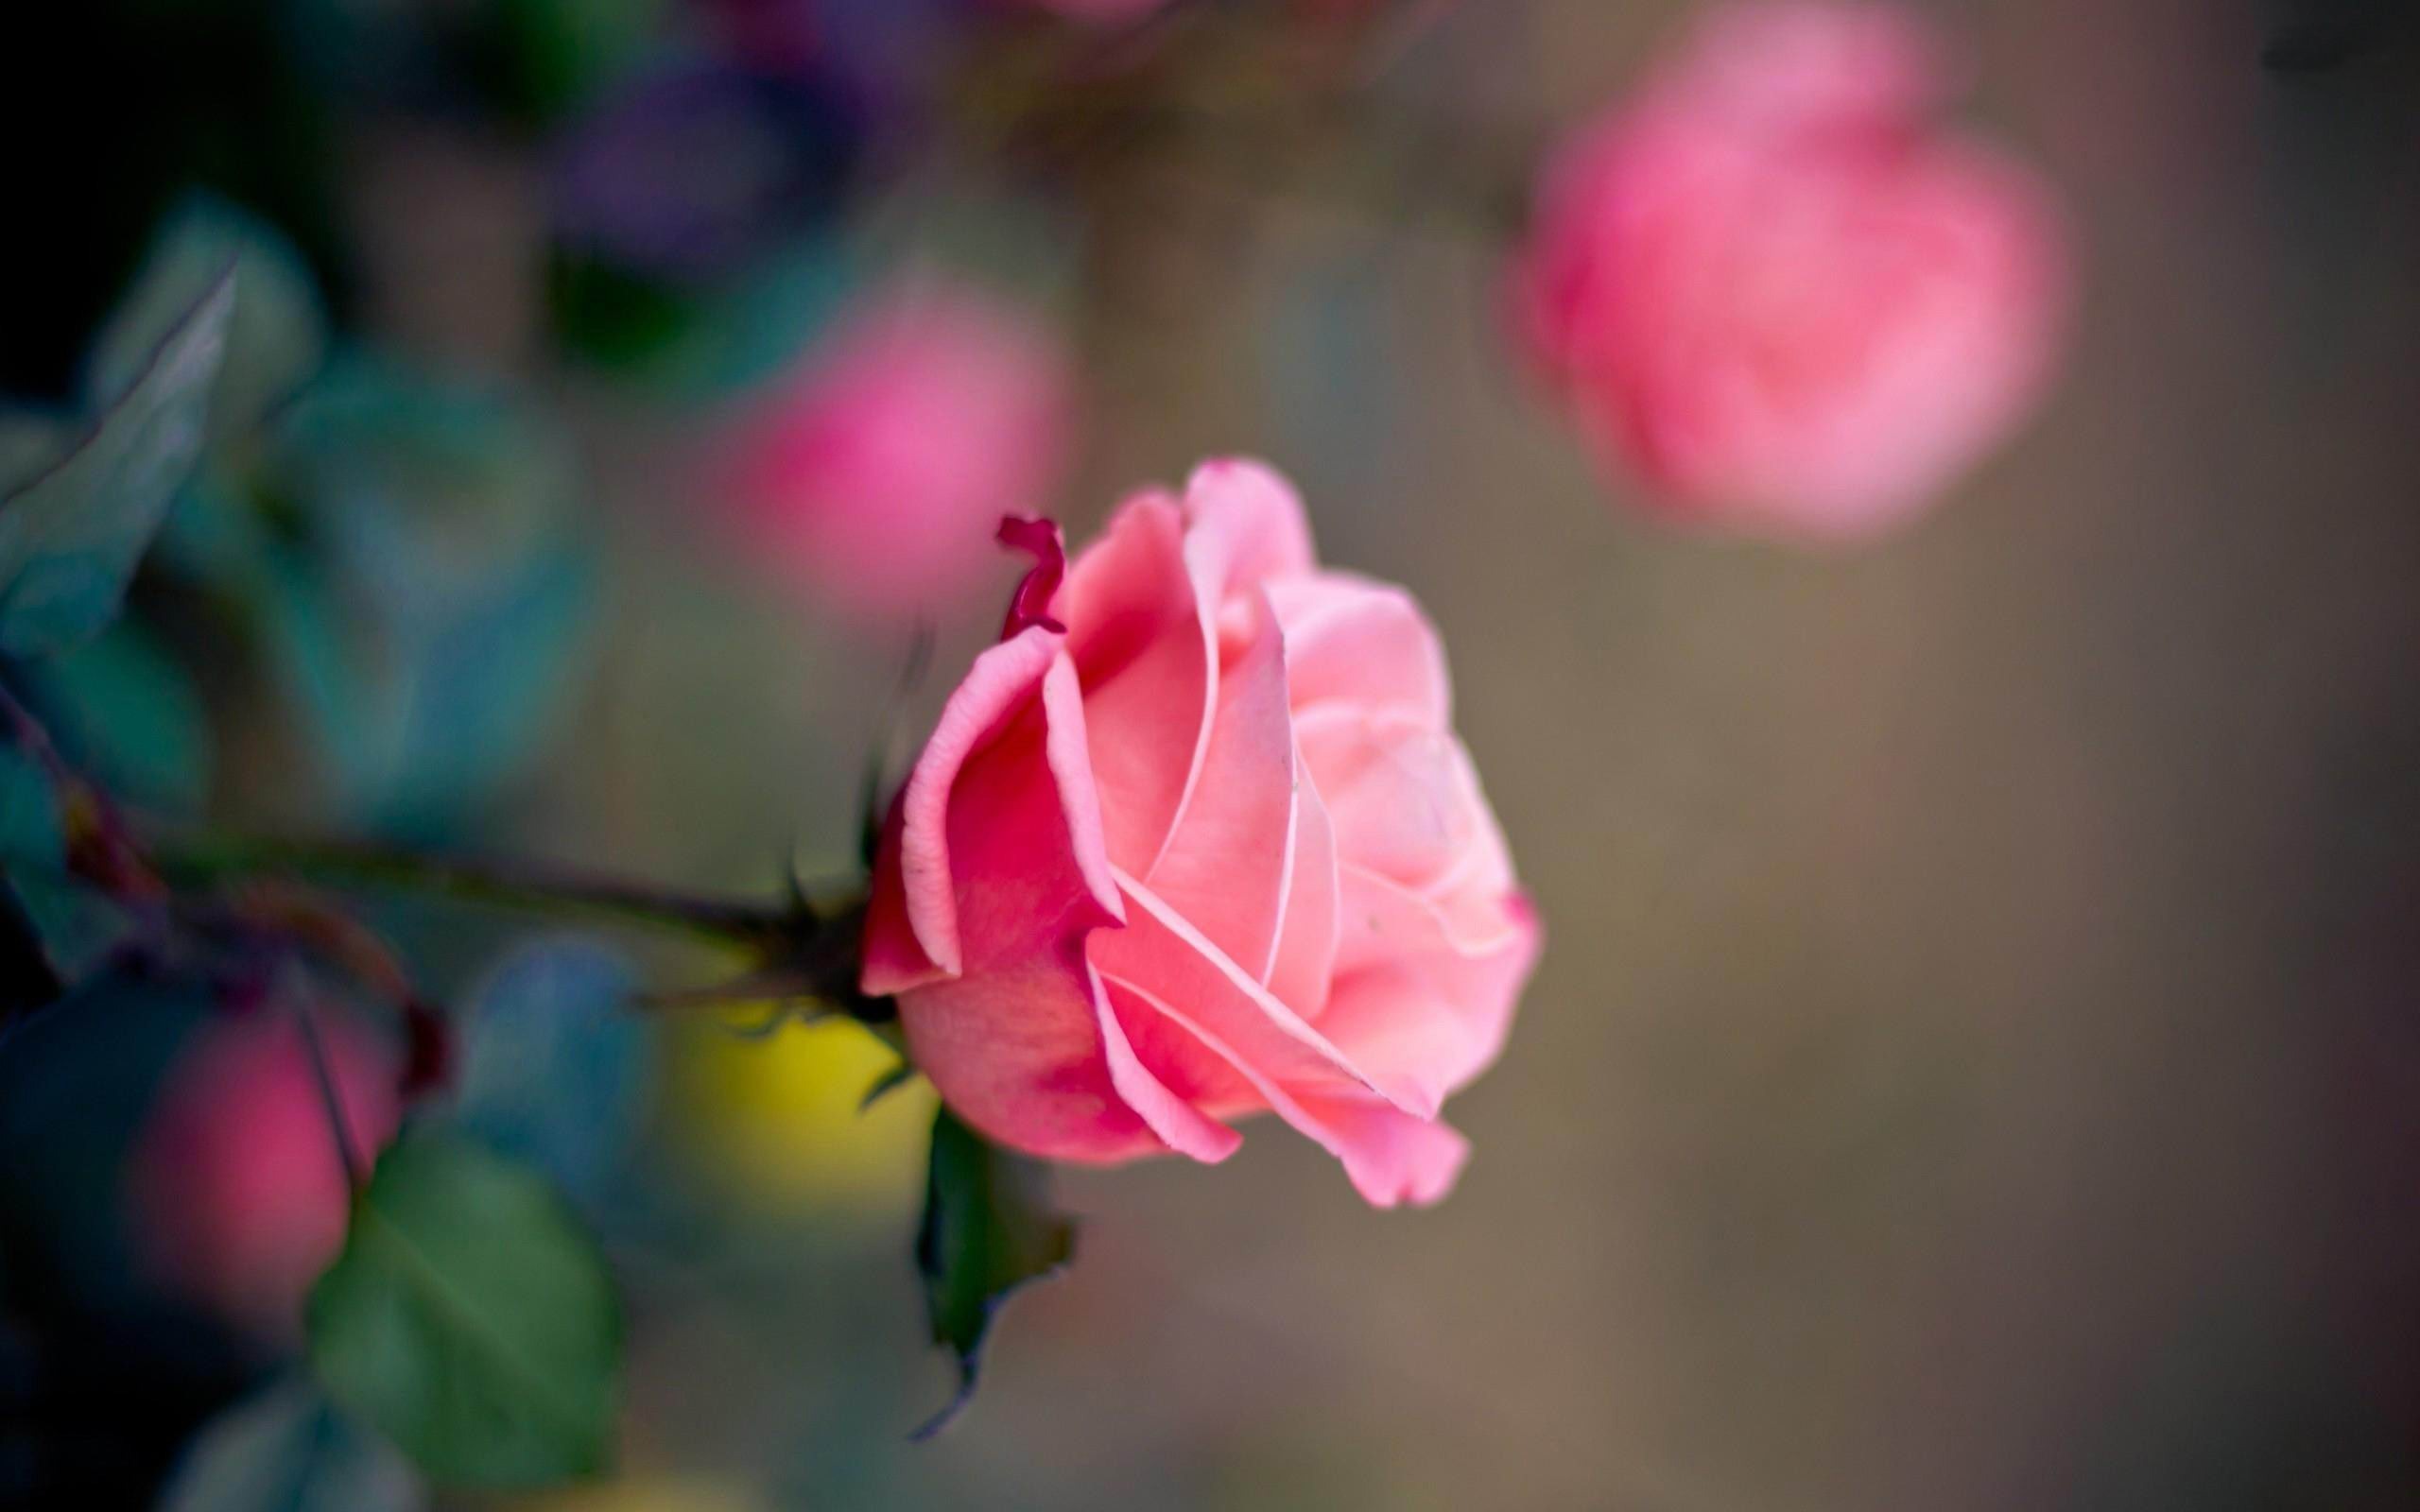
(471, 1319)
(287, 1449)
(71, 534)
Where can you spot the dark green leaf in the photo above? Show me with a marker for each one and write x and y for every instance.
(70, 535)
(277, 335)
(989, 1228)
(471, 1319)
(287, 1448)
(554, 1062)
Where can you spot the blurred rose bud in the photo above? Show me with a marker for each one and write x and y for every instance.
(236, 1191)
(877, 476)
(1195, 841)
(694, 169)
(1779, 289)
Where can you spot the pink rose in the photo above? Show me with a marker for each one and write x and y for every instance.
(1195, 840)
(873, 479)
(235, 1188)
(1779, 289)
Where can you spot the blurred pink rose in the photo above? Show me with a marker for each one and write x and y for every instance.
(1195, 840)
(874, 479)
(235, 1189)
(1778, 288)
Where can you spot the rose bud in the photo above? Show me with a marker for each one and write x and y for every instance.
(873, 478)
(1779, 290)
(1195, 840)
(237, 1189)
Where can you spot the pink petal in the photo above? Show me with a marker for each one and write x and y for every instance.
(1178, 1058)
(1180, 1125)
(1161, 954)
(913, 929)
(1252, 521)
(1364, 643)
(1226, 866)
(1393, 791)
(1019, 1053)
(1392, 1156)
(1416, 998)
(1306, 958)
(1016, 1045)
(1141, 643)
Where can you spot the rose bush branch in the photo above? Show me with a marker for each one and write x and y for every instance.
(562, 891)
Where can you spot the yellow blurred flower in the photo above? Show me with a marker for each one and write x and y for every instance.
(775, 1123)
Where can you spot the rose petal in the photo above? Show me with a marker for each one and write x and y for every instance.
(1418, 1001)
(1251, 521)
(1141, 644)
(1392, 1156)
(1362, 645)
(1393, 793)
(1019, 1053)
(911, 925)
(1306, 958)
(1226, 864)
(1184, 1127)
(1016, 1044)
(1161, 954)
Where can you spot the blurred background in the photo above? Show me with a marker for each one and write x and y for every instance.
(1974, 1064)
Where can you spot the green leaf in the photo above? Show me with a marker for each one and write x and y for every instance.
(277, 334)
(287, 1448)
(471, 1321)
(71, 534)
(989, 1228)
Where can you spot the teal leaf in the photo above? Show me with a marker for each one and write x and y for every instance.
(71, 534)
(79, 928)
(287, 1448)
(555, 1064)
(989, 1228)
(277, 334)
(471, 1319)
(31, 442)
(129, 714)
(32, 831)
(430, 628)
